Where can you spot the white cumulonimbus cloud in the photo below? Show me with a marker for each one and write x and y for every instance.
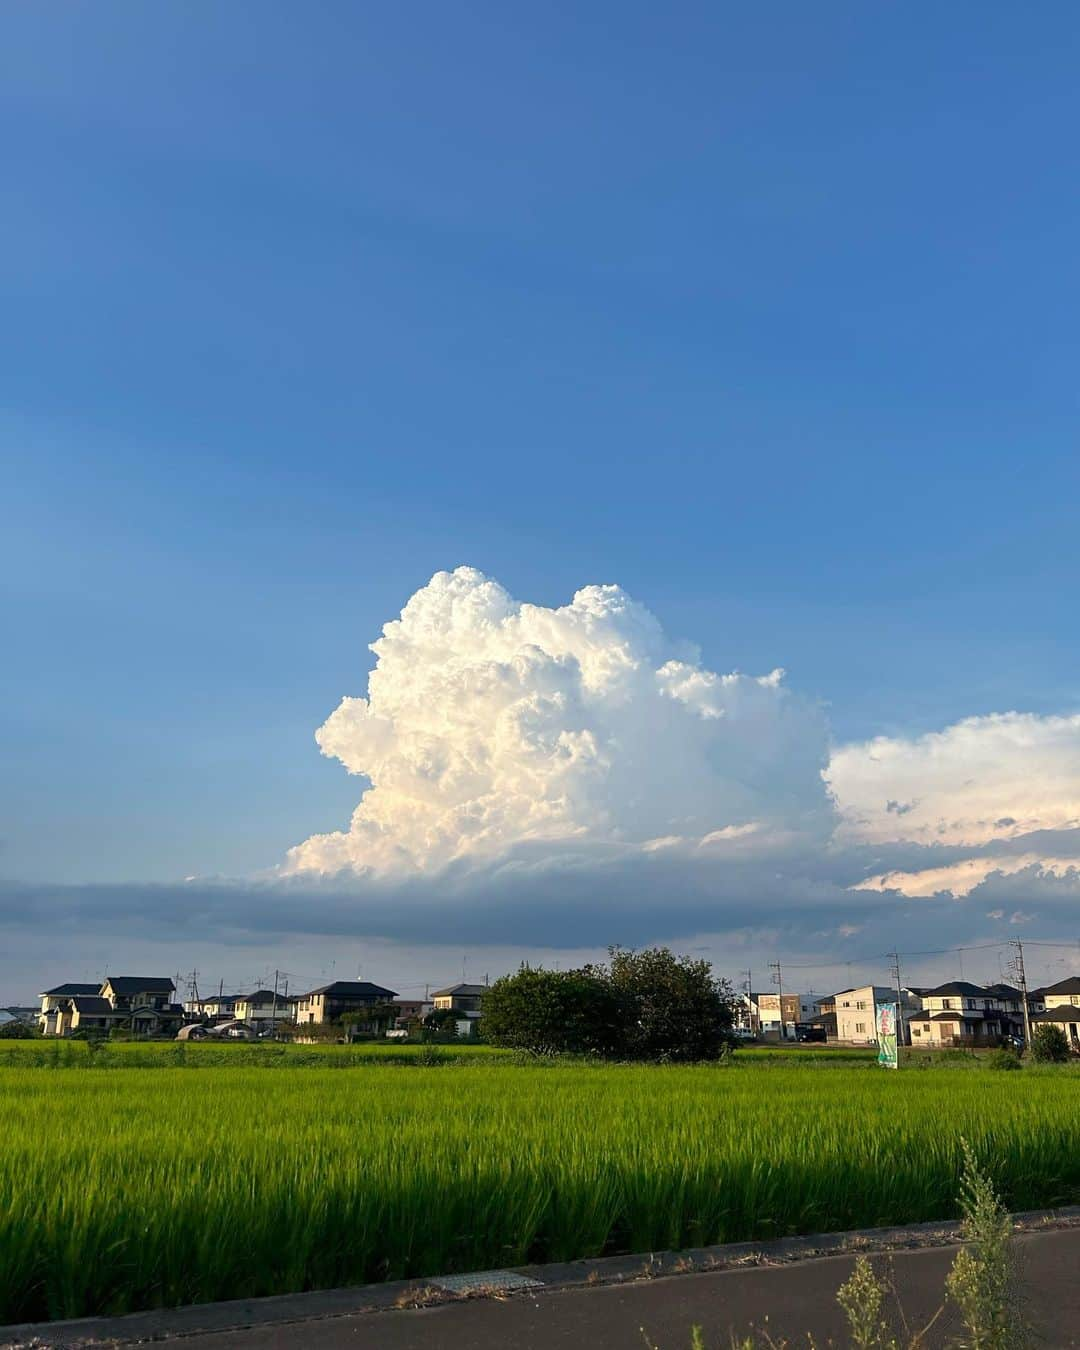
(492, 727)
(980, 784)
(491, 724)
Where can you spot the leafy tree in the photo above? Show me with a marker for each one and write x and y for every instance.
(1049, 1044)
(17, 1031)
(554, 1012)
(672, 1007)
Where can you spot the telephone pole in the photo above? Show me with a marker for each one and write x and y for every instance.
(748, 985)
(778, 980)
(273, 1013)
(1021, 979)
(901, 1031)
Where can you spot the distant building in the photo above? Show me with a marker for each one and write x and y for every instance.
(781, 1015)
(213, 1008)
(409, 1010)
(264, 1009)
(961, 1013)
(1061, 1008)
(343, 996)
(460, 998)
(139, 1002)
(856, 1022)
(54, 1000)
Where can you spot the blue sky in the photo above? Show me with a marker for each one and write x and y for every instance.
(767, 314)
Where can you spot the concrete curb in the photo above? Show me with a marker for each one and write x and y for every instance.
(167, 1323)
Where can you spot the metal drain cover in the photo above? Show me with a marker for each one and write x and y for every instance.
(485, 1279)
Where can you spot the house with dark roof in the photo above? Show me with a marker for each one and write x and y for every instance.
(89, 1012)
(1061, 1008)
(461, 998)
(141, 1003)
(962, 1013)
(52, 1000)
(330, 1001)
(265, 1009)
(146, 1003)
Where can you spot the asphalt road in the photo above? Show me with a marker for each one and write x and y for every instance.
(790, 1300)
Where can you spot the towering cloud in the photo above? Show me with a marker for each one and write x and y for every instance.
(490, 724)
(499, 738)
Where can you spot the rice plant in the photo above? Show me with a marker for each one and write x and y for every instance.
(123, 1190)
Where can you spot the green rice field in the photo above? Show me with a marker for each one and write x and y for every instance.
(266, 1170)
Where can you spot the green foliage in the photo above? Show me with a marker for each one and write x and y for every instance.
(862, 1297)
(980, 1282)
(549, 1012)
(1049, 1044)
(644, 1005)
(18, 1031)
(1004, 1059)
(124, 1189)
(672, 1008)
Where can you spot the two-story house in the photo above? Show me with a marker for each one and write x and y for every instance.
(145, 1002)
(856, 1017)
(264, 1009)
(343, 996)
(54, 1002)
(960, 1013)
(139, 1002)
(465, 1001)
(1062, 1009)
(781, 1015)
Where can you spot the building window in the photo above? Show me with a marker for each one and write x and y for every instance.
(861, 1005)
(946, 1002)
(860, 1028)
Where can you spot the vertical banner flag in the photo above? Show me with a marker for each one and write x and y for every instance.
(888, 1055)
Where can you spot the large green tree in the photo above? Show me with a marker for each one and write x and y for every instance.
(672, 1007)
(553, 1012)
(642, 1005)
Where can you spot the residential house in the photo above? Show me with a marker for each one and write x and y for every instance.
(409, 1010)
(461, 998)
(265, 1010)
(217, 1007)
(1062, 1009)
(140, 1002)
(145, 1002)
(959, 1013)
(855, 1012)
(53, 1001)
(88, 1012)
(784, 1013)
(464, 1000)
(343, 996)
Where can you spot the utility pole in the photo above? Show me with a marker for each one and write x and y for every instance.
(901, 1033)
(1022, 981)
(273, 1013)
(749, 987)
(778, 980)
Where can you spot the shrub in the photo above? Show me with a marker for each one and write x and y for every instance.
(1004, 1058)
(18, 1031)
(1049, 1044)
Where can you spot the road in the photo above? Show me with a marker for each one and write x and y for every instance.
(796, 1299)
